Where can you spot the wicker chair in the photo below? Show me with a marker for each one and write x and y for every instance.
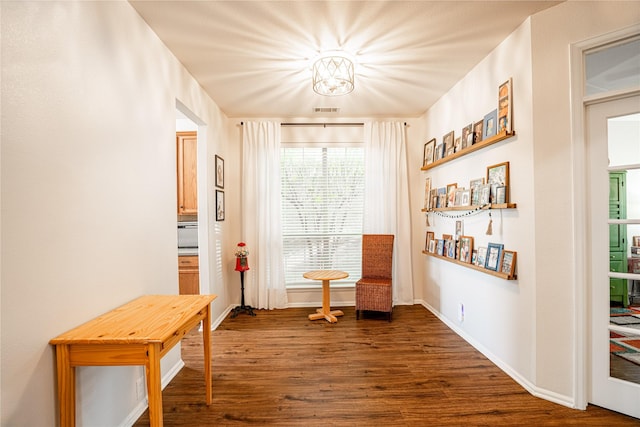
(374, 289)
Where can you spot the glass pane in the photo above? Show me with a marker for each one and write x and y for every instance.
(623, 134)
(613, 68)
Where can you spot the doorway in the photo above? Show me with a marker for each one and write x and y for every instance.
(613, 180)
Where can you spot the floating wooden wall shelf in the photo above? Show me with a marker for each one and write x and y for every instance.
(499, 274)
(475, 147)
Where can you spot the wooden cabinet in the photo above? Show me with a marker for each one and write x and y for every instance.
(188, 275)
(187, 154)
(618, 290)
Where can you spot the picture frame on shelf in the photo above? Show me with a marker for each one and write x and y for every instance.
(219, 172)
(459, 226)
(451, 195)
(489, 124)
(505, 106)
(501, 194)
(457, 145)
(447, 237)
(448, 142)
(467, 136)
(434, 199)
(477, 131)
(220, 205)
(482, 256)
(485, 195)
(465, 197)
(508, 264)
(432, 246)
(440, 247)
(498, 176)
(429, 238)
(474, 186)
(474, 257)
(427, 193)
(494, 256)
(466, 248)
(451, 248)
(439, 152)
(429, 151)
(458, 197)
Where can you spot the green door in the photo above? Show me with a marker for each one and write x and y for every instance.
(618, 236)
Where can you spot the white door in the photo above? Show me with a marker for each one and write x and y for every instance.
(613, 145)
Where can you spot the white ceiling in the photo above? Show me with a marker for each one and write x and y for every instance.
(253, 57)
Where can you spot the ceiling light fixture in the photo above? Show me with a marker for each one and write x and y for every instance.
(333, 74)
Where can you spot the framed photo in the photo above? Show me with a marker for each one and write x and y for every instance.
(219, 172)
(451, 195)
(504, 106)
(450, 248)
(448, 143)
(508, 265)
(498, 176)
(429, 150)
(457, 145)
(466, 248)
(482, 256)
(459, 226)
(494, 256)
(442, 197)
(501, 194)
(465, 197)
(477, 131)
(458, 198)
(467, 136)
(428, 240)
(447, 237)
(485, 194)
(427, 193)
(489, 124)
(440, 247)
(474, 257)
(432, 246)
(474, 186)
(439, 152)
(219, 205)
(433, 203)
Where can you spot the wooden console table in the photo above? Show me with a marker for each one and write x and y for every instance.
(137, 333)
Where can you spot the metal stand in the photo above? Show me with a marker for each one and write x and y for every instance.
(242, 308)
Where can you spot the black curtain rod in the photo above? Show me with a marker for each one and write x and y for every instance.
(320, 124)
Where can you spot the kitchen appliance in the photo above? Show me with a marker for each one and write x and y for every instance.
(188, 235)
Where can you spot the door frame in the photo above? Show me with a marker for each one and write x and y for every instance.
(578, 105)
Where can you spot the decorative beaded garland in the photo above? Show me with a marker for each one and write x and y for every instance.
(474, 211)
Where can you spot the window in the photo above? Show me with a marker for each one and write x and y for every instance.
(322, 210)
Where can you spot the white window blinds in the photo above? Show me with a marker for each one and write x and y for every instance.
(322, 210)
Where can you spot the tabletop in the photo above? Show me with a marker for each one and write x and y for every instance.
(325, 275)
(150, 318)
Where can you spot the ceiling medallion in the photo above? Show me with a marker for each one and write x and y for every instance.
(333, 74)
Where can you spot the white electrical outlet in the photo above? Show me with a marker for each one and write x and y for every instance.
(140, 388)
(461, 312)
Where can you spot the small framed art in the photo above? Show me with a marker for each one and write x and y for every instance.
(485, 194)
(504, 106)
(427, 193)
(219, 205)
(494, 256)
(489, 124)
(466, 248)
(451, 195)
(498, 176)
(508, 265)
(448, 141)
(477, 131)
(501, 194)
(481, 256)
(467, 136)
(428, 240)
(219, 172)
(429, 151)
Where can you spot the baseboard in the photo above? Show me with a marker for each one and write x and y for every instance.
(506, 368)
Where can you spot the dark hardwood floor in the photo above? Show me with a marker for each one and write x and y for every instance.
(281, 369)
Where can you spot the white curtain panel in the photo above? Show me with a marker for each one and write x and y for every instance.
(261, 222)
(386, 199)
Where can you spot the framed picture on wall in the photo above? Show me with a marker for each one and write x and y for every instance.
(477, 131)
(494, 256)
(219, 172)
(219, 205)
(467, 136)
(508, 263)
(504, 106)
(498, 176)
(489, 125)
(466, 248)
(429, 150)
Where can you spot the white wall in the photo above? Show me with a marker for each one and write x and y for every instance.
(553, 31)
(88, 190)
(499, 314)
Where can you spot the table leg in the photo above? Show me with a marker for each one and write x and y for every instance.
(66, 386)
(206, 337)
(325, 312)
(154, 384)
